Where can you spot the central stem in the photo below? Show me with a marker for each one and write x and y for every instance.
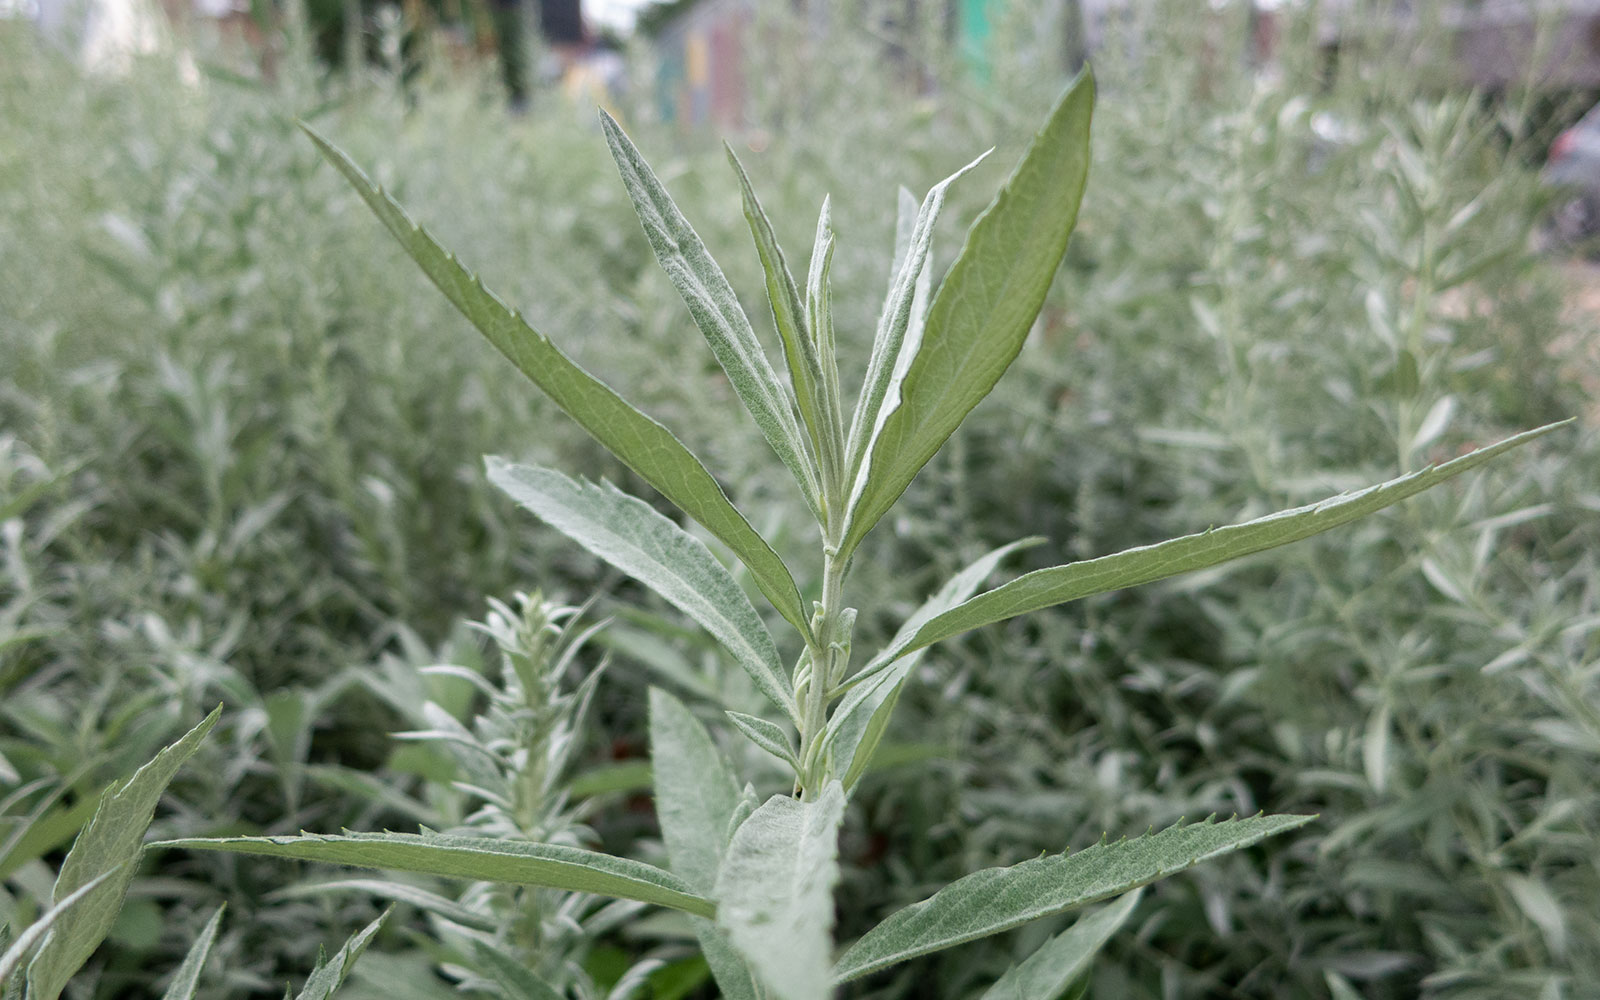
(826, 648)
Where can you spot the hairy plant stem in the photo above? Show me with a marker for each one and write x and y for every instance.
(827, 648)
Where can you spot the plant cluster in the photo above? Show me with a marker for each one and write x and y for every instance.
(252, 518)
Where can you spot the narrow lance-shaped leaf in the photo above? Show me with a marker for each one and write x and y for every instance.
(331, 973)
(896, 342)
(397, 892)
(766, 735)
(16, 952)
(480, 859)
(695, 791)
(1065, 958)
(819, 319)
(905, 223)
(111, 840)
(789, 316)
(984, 308)
(998, 899)
(186, 981)
(518, 981)
(640, 442)
(632, 536)
(775, 891)
(716, 311)
(1059, 584)
(858, 725)
(696, 796)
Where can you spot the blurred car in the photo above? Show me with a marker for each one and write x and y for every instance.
(1574, 166)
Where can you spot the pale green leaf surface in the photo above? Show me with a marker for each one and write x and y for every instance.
(510, 975)
(396, 892)
(696, 793)
(331, 973)
(716, 310)
(998, 899)
(16, 952)
(111, 840)
(775, 892)
(632, 536)
(769, 736)
(819, 319)
(789, 317)
(858, 725)
(480, 859)
(1059, 962)
(186, 981)
(905, 221)
(640, 442)
(728, 967)
(984, 308)
(896, 341)
(1059, 584)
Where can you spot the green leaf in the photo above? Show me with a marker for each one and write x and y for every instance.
(998, 899)
(767, 735)
(775, 892)
(331, 973)
(643, 445)
(984, 308)
(905, 222)
(16, 952)
(1061, 961)
(716, 311)
(186, 981)
(789, 316)
(477, 858)
(859, 723)
(396, 892)
(111, 840)
(896, 341)
(1059, 584)
(632, 536)
(509, 974)
(734, 979)
(819, 318)
(695, 791)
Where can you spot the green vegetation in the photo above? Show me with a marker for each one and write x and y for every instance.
(240, 445)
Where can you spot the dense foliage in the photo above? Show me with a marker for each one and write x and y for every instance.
(240, 451)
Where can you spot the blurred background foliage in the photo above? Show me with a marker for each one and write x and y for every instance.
(240, 446)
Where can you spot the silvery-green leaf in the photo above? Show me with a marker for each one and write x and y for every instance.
(728, 967)
(111, 841)
(905, 222)
(331, 973)
(789, 316)
(716, 311)
(695, 791)
(187, 979)
(858, 724)
(983, 309)
(643, 445)
(819, 318)
(398, 892)
(632, 536)
(520, 983)
(479, 859)
(16, 952)
(998, 899)
(1059, 584)
(767, 735)
(897, 341)
(1065, 958)
(775, 892)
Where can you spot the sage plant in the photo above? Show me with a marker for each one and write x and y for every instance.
(757, 877)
